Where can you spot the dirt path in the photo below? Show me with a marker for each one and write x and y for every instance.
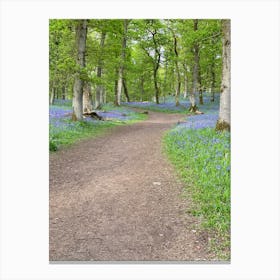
(116, 198)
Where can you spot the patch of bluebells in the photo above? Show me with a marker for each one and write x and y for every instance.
(169, 104)
(63, 130)
(58, 119)
(204, 154)
(200, 121)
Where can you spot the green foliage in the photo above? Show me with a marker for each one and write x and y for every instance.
(202, 158)
(78, 130)
(52, 145)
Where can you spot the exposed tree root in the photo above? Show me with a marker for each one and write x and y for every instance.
(222, 126)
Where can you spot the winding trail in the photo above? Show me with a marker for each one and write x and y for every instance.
(117, 198)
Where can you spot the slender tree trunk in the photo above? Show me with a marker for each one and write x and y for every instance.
(223, 122)
(125, 90)
(185, 80)
(119, 87)
(63, 93)
(200, 87)
(156, 86)
(99, 87)
(213, 82)
(87, 98)
(104, 96)
(116, 88)
(156, 67)
(185, 86)
(52, 96)
(121, 68)
(178, 88)
(193, 107)
(81, 36)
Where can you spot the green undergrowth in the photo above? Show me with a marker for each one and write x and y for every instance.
(202, 159)
(69, 132)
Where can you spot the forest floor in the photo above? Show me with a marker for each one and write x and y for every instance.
(117, 198)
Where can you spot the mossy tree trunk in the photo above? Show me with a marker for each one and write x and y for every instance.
(223, 122)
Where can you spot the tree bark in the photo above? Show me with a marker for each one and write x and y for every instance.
(99, 87)
(200, 86)
(156, 85)
(121, 68)
(178, 88)
(63, 92)
(223, 122)
(125, 90)
(213, 82)
(87, 98)
(116, 88)
(185, 81)
(81, 36)
(193, 107)
(52, 97)
(156, 67)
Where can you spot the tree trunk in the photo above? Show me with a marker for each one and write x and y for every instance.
(63, 93)
(185, 81)
(156, 67)
(81, 36)
(119, 87)
(223, 122)
(56, 93)
(121, 68)
(116, 88)
(99, 87)
(156, 86)
(52, 96)
(104, 96)
(185, 86)
(200, 86)
(178, 88)
(125, 90)
(193, 107)
(87, 98)
(213, 82)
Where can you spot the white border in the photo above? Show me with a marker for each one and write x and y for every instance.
(24, 138)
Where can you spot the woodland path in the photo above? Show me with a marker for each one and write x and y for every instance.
(106, 203)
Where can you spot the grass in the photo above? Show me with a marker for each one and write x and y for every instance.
(201, 156)
(64, 132)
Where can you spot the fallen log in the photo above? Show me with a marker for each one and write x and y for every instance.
(198, 113)
(93, 115)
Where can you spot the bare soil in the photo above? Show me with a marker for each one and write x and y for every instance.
(117, 198)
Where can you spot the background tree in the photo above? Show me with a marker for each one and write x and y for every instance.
(137, 60)
(223, 122)
(81, 37)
